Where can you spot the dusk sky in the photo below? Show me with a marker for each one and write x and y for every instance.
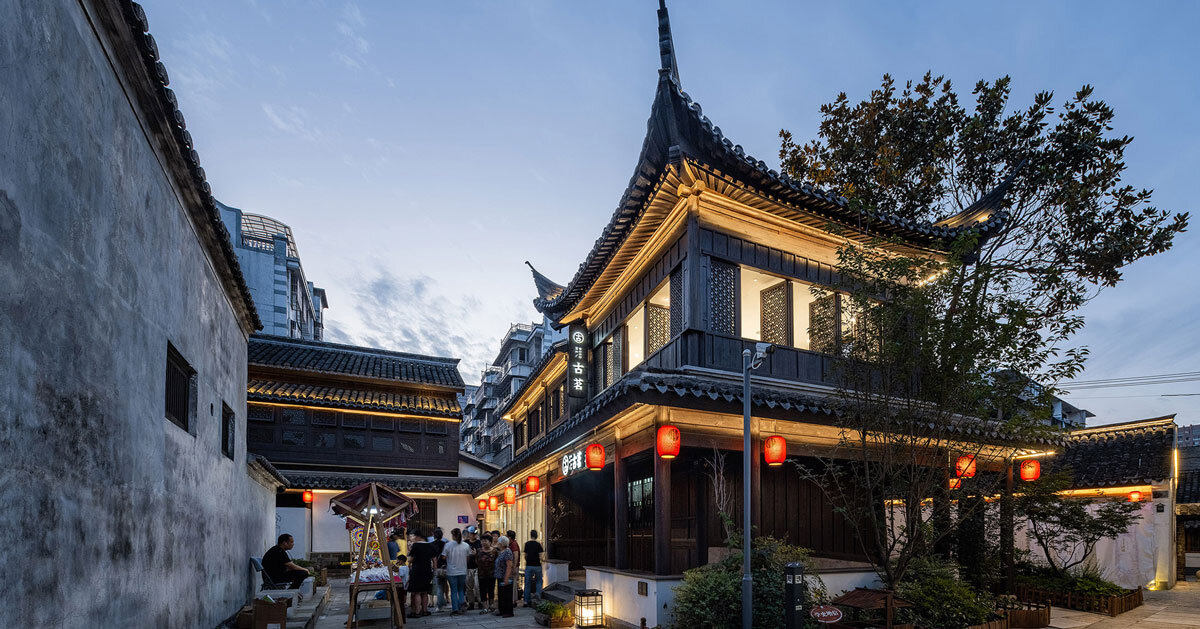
(422, 151)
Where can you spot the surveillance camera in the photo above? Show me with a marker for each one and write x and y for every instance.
(763, 349)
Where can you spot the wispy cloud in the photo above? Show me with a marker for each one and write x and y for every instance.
(202, 68)
(353, 47)
(293, 119)
(412, 314)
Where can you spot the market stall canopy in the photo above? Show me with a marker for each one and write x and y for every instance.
(356, 503)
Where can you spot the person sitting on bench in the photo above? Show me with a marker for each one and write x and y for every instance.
(278, 565)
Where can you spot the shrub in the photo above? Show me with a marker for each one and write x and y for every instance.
(554, 611)
(1083, 580)
(940, 599)
(711, 595)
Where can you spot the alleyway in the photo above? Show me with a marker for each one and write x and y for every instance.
(334, 616)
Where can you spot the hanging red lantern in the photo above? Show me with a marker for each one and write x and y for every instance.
(1031, 470)
(493, 503)
(955, 483)
(964, 467)
(669, 440)
(510, 495)
(532, 483)
(307, 496)
(775, 450)
(1135, 496)
(483, 504)
(595, 456)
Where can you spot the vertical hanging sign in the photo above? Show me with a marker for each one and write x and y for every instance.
(577, 360)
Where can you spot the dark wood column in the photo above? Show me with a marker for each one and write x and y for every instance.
(1007, 531)
(695, 273)
(662, 515)
(700, 484)
(547, 509)
(943, 512)
(620, 509)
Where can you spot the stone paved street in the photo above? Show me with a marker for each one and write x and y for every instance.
(334, 616)
(1167, 609)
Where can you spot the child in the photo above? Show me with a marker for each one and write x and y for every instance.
(402, 574)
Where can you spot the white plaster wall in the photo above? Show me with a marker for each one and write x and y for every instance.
(838, 582)
(294, 521)
(622, 601)
(1140, 556)
(329, 531)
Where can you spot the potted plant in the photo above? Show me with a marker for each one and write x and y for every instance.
(551, 614)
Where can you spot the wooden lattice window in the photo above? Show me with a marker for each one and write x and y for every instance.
(228, 430)
(294, 416)
(354, 420)
(382, 444)
(773, 314)
(324, 418)
(722, 298)
(823, 324)
(260, 413)
(180, 394)
(382, 423)
(641, 502)
(326, 440)
(658, 326)
(354, 442)
(535, 424)
(409, 425)
(518, 435)
(676, 306)
(293, 438)
(435, 427)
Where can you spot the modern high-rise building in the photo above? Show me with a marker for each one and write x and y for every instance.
(484, 433)
(287, 302)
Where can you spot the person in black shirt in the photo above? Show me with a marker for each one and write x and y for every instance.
(421, 555)
(473, 601)
(533, 568)
(278, 566)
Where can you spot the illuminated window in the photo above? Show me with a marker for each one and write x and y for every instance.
(764, 315)
(802, 301)
(635, 334)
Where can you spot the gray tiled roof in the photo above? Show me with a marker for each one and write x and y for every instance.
(307, 479)
(1130, 453)
(333, 358)
(258, 390)
(1189, 488)
(138, 25)
(678, 129)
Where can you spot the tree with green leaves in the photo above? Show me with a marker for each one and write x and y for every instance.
(1067, 528)
(926, 344)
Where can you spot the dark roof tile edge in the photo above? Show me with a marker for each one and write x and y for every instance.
(135, 18)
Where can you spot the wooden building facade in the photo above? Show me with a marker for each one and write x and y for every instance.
(708, 253)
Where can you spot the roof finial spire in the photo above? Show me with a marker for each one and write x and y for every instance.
(666, 47)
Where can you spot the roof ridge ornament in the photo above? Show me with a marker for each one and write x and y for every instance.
(666, 45)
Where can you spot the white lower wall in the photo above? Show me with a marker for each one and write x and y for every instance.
(329, 531)
(556, 571)
(294, 521)
(839, 581)
(1143, 555)
(622, 601)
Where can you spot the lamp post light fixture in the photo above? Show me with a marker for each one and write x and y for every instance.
(750, 361)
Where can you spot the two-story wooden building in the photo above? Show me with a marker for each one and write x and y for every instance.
(708, 252)
(332, 416)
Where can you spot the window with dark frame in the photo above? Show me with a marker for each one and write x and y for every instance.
(228, 430)
(535, 424)
(180, 394)
(518, 435)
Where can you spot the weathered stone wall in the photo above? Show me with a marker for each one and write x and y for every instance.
(112, 515)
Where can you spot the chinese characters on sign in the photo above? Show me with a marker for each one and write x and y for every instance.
(572, 462)
(577, 360)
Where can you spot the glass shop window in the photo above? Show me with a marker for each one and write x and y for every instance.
(635, 335)
(764, 307)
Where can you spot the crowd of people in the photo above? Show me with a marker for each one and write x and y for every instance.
(472, 571)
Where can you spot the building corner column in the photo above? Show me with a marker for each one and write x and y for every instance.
(620, 509)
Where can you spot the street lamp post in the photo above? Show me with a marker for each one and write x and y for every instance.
(750, 361)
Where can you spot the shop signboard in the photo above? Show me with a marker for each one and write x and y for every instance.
(577, 361)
